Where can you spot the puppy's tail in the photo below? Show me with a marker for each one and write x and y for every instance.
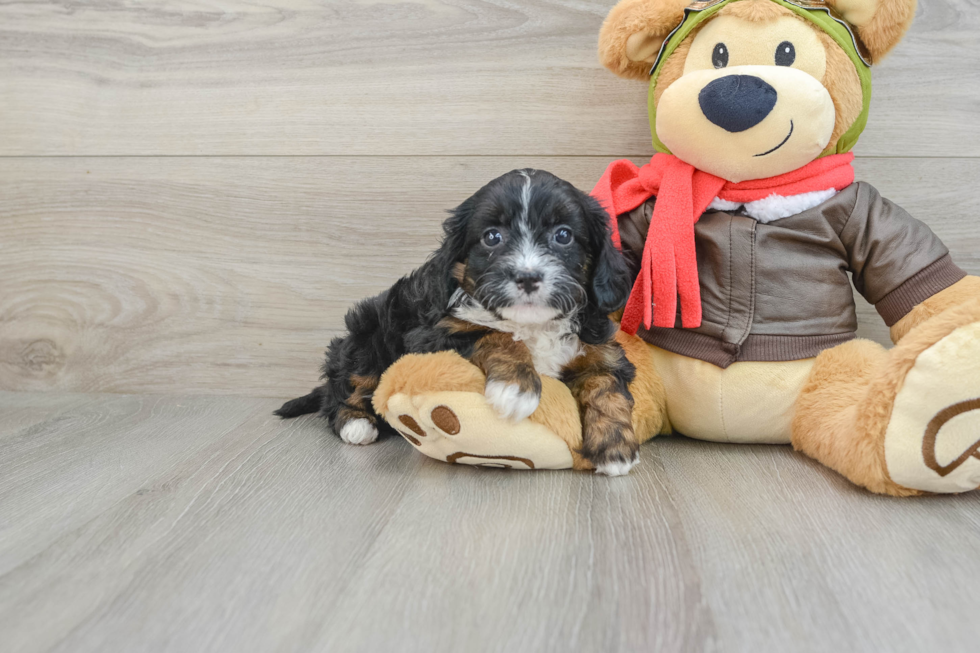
(302, 405)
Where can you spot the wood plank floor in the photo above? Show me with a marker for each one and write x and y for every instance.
(169, 523)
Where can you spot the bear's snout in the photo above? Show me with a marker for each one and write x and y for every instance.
(737, 102)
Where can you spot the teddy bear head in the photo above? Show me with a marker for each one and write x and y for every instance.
(750, 89)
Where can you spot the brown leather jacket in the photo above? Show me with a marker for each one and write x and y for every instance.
(780, 291)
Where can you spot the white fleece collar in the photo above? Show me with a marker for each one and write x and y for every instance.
(775, 207)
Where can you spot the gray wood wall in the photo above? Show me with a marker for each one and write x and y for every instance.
(192, 194)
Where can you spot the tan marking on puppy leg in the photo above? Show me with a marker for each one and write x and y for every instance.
(364, 387)
(358, 402)
(454, 325)
(513, 386)
(505, 360)
(647, 388)
(607, 421)
(605, 403)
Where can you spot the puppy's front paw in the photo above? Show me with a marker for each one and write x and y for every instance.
(359, 431)
(614, 455)
(510, 401)
(617, 467)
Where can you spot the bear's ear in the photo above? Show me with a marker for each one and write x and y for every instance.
(633, 32)
(881, 24)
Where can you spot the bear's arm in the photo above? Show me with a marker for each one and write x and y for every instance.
(897, 262)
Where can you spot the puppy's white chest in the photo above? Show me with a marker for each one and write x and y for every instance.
(551, 350)
(553, 344)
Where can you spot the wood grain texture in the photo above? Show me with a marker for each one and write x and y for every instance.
(21, 411)
(188, 523)
(434, 77)
(230, 276)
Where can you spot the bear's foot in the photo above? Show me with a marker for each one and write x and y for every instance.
(462, 427)
(932, 441)
(438, 403)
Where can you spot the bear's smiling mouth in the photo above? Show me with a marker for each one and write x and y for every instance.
(781, 144)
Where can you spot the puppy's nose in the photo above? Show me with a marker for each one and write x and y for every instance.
(528, 280)
(737, 102)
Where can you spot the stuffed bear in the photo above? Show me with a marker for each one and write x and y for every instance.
(745, 232)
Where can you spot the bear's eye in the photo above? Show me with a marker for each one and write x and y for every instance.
(785, 54)
(719, 56)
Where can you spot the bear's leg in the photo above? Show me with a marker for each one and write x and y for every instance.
(437, 403)
(905, 421)
(830, 424)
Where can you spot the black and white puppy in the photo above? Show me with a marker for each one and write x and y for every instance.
(522, 285)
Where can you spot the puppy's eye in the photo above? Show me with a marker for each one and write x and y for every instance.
(719, 56)
(785, 54)
(563, 235)
(492, 238)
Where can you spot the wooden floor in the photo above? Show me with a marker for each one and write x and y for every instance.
(139, 523)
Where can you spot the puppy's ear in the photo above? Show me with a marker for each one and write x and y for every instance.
(633, 32)
(453, 248)
(610, 281)
(881, 24)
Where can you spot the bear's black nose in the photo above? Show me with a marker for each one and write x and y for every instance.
(737, 102)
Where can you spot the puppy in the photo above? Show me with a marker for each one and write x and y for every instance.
(522, 285)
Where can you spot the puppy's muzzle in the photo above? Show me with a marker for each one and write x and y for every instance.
(737, 102)
(528, 281)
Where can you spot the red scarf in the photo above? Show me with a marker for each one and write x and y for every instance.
(683, 193)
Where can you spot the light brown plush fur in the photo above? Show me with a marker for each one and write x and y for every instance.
(757, 11)
(673, 68)
(842, 82)
(834, 422)
(649, 396)
(959, 293)
(844, 410)
(892, 19)
(560, 413)
(419, 374)
(629, 17)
